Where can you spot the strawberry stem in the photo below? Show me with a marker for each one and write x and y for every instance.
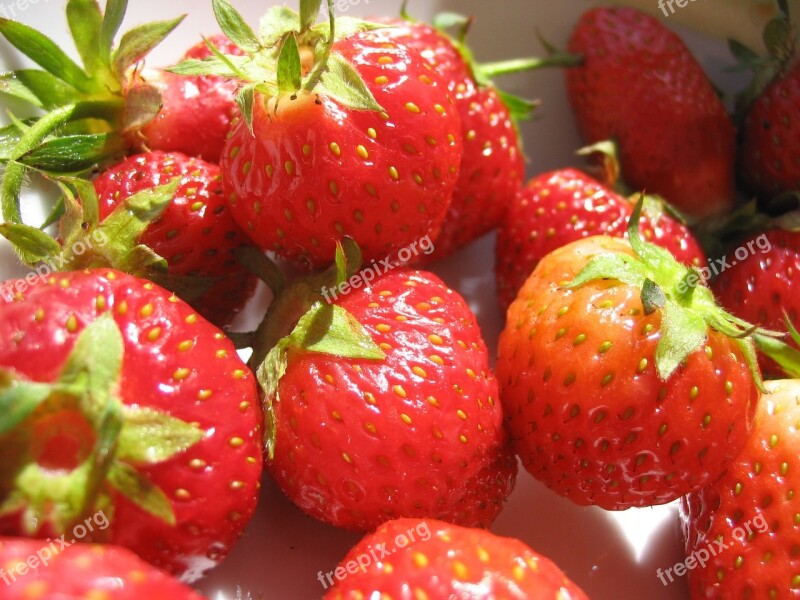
(321, 65)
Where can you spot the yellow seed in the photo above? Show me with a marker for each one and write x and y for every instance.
(439, 108)
(393, 173)
(196, 206)
(419, 372)
(399, 390)
(383, 328)
(72, 324)
(236, 442)
(381, 80)
(405, 419)
(289, 167)
(181, 374)
(362, 152)
(435, 358)
(385, 60)
(461, 414)
(435, 339)
(412, 108)
(191, 319)
(185, 346)
(154, 334)
(372, 133)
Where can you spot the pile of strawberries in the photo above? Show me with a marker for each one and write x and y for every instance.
(314, 157)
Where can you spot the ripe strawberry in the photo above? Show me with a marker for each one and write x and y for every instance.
(355, 138)
(118, 398)
(769, 148)
(82, 571)
(562, 206)
(195, 234)
(404, 419)
(197, 111)
(760, 289)
(641, 86)
(432, 559)
(492, 167)
(742, 529)
(623, 383)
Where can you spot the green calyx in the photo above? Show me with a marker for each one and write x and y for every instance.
(302, 320)
(67, 445)
(687, 306)
(781, 40)
(787, 357)
(290, 55)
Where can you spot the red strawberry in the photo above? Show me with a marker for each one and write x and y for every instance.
(641, 86)
(769, 148)
(82, 571)
(622, 382)
(356, 139)
(562, 206)
(759, 288)
(197, 111)
(402, 420)
(117, 397)
(195, 234)
(492, 167)
(407, 558)
(742, 530)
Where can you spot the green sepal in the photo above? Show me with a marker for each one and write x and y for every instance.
(229, 66)
(46, 53)
(612, 265)
(309, 11)
(346, 27)
(85, 20)
(234, 26)
(10, 136)
(290, 74)
(112, 21)
(141, 260)
(342, 83)
(450, 20)
(653, 297)
(149, 436)
(18, 399)
(260, 265)
(140, 40)
(141, 491)
(74, 153)
(330, 329)
(268, 375)
(348, 259)
(143, 102)
(30, 243)
(276, 22)
(683, 331)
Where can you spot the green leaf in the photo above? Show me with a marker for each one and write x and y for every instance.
(245, 100)
(31, 242)
(137, 42)
(46, 53)
(653, 297)
(140, 260)
(18, 399)
(234, 26)
(449, 20)
(613, 265)
(94, 365)
(275, 23)
(289, 68)
(56, 212)
(683, 331)
(309, 13)
(74, 153)
(330, 329)
(39, 88)
(342, 83)
(788, 358)
(9, 138)
(521, 109)
(209, 66)
(112, 21)
(149, 436)
(137, 488)
(269, 374)
(85, 21)
(347, 27)
(348, 259)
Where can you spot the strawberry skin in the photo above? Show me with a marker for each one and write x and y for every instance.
(418, 433)
(431, 559)
(562, 206)
(174, 362)
(588, 411)
(760, 288)
(641, 86)
(82, 571)
(752, 510)
(196, 234)
(197, 111)
(769, 154)
(315, 171)
(492, 166)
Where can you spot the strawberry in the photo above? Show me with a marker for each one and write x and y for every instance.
(769, 148)
(641, 86)
(741, 530)
(197, 111)
(623, 383)
(492, 167)
(82, 571)
(561, 206)
(404, 419)
(195, 234)
(417, 558)
(759, 288)
(117, 398)
(344, 132)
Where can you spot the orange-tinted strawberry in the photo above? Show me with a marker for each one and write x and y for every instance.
(431, 559)
(118, 399)
(640, 85)
(742, 530)
(623, 383)
(384, 406)
(562, 206)
(82, 571)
